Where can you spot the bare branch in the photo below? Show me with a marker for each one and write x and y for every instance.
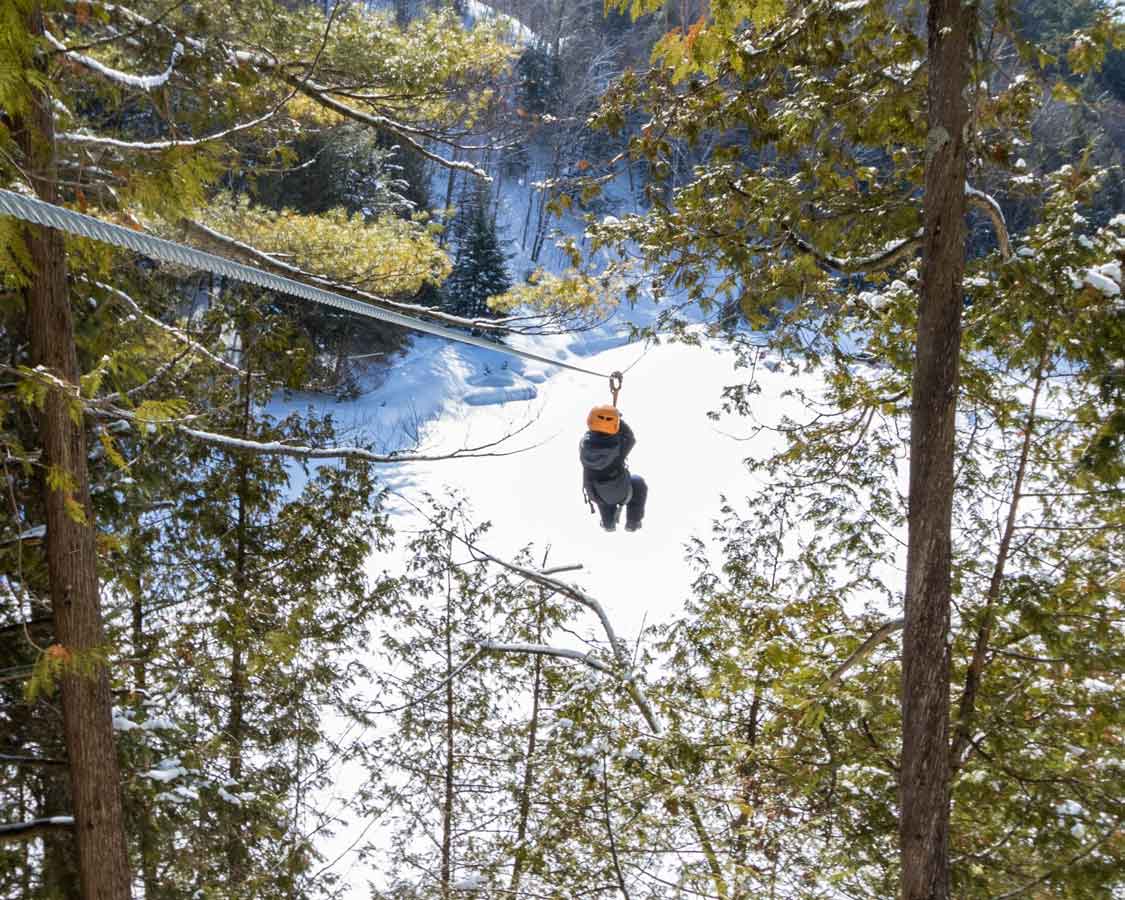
(884, 632)
(992, 209)
(17, 760)
(461, 668)
(543, 650)
(302, 452)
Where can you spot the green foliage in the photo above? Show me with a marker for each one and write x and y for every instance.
(159, 412)
(480, 266)
(572, 292)
(57, 662)
(386, 256)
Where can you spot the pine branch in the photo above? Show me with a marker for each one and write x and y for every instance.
(235, 247)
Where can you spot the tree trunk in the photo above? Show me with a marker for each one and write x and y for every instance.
(529, 765)
(447, 218)
(966, 713)
(924, 784)
(236, 846)
(140, 685)
(95, 782)
(447, 806)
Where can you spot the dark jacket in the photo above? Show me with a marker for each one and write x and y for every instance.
(604, 474)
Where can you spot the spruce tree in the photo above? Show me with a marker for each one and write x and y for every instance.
(480, 266)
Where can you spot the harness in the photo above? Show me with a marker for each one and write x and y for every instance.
(615, 381)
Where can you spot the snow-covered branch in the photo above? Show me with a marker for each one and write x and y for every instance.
(72, 137)
(992, 209)
(862, 651)
(587, 659)
(624, 669)
(172, 330)
(277, 448)
(16, 760)
(141, 82)
(405, 132)
(891, 253)
(33, 828)
(894, 251)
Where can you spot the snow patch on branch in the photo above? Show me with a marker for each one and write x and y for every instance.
(1103, 279)
(72, 137)
(141, 82)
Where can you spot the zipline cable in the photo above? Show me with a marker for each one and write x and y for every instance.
(39, 212)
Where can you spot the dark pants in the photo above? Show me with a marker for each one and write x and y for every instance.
(634, 510)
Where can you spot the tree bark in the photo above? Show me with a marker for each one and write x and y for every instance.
(924, 782)
(529, 765)
(447, 800)
(236, 844)
(140, 684)
(95, 782)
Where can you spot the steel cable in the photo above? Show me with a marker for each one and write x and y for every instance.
(39, 212)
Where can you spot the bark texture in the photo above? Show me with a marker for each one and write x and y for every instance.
(71, 554)
(924, 785)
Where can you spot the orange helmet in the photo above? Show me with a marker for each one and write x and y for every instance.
(605, 419)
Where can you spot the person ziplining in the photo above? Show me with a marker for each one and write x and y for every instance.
(606, 481)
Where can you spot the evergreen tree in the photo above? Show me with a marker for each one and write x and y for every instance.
(480, 266)
(93, 357)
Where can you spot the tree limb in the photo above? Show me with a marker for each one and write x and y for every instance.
(991, 208)
(543, 650)
(631, 683)
(70, 137)
(141, 82)
(18, 760)
(891, 253)
(880, 635)
(26, 831)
